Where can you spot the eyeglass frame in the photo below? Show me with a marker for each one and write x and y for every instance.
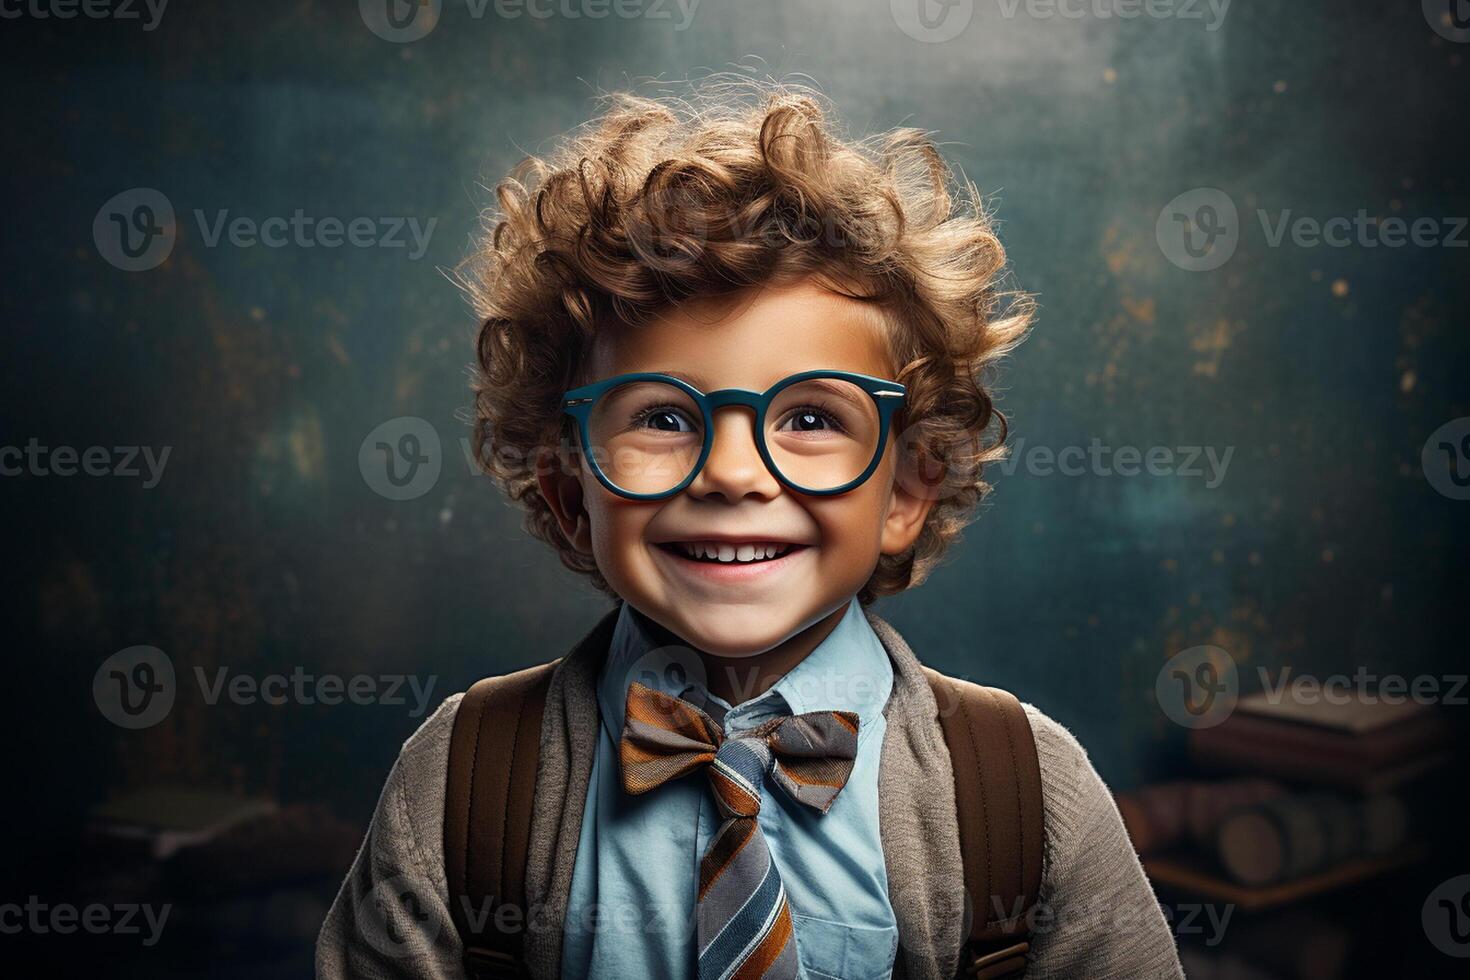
(888, 397)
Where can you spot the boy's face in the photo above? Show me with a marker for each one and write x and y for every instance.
(731, 610)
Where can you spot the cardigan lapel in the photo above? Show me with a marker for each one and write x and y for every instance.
(568, 740)
(918, 823)
(920, 835)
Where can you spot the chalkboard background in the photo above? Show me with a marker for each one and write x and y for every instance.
(263, 549)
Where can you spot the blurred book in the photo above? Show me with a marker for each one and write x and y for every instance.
(1167, 815)
(1354, 741)
(1292, 836)
(1260, 833)
(162, 821)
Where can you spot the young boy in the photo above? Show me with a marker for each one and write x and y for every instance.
(731, 364)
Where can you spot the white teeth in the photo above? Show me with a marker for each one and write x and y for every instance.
(726, 552)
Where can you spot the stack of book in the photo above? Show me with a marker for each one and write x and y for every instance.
(1356, 742)
(1294, 796)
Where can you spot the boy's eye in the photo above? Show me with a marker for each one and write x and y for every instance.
(809, 418)
(664, 418)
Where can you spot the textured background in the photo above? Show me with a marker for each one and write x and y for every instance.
(263, 548)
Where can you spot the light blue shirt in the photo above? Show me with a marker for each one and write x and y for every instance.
(631, 910)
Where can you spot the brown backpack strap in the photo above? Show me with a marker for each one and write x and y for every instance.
(998, 802)
(493, 755)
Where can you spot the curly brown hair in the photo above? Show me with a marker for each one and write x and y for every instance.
(743, 183)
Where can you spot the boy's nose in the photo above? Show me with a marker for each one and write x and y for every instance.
(734, 469)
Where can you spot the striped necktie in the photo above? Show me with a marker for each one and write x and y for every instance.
(744, 920)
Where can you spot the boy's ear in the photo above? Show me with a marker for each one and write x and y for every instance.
(907, 511)
(562, 492)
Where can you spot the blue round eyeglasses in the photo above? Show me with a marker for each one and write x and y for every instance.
(647, 435)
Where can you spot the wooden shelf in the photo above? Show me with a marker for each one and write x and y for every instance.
(1188, 874)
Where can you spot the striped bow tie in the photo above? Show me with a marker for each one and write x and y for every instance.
(744, 921)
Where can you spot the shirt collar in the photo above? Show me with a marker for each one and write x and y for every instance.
(848, 671)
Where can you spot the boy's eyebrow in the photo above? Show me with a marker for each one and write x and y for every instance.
(697, 380)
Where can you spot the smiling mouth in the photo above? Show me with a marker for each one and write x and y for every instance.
(728, 553)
